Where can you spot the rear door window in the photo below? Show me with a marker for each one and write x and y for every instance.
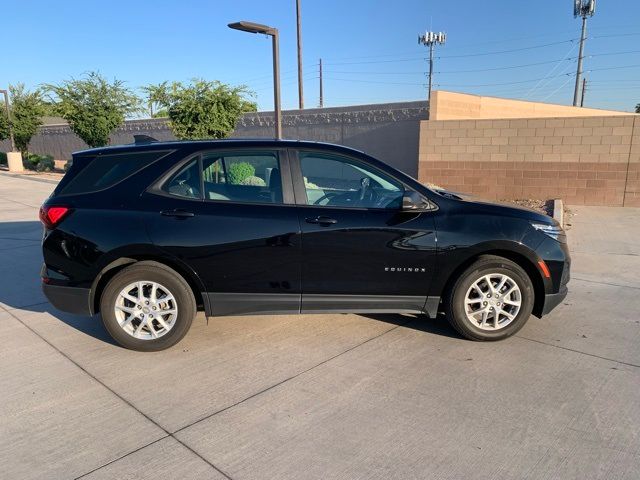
(104, 171)
(252, 177)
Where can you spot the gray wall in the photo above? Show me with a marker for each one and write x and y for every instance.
(388, 131)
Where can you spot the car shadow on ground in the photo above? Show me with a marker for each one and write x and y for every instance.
(422, 323)
(20, 287)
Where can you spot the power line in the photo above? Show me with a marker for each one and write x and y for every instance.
(378, 61)
(479, 54)
(506, 67)
(551, 71)
(614, 68)
(617, 35)
(557, 89)
(505, 83)
(372, 81)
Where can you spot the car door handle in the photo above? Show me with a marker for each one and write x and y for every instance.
(321, 220)
(177, 213)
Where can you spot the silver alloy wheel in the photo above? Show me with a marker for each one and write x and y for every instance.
(493, 301)
(146, 310)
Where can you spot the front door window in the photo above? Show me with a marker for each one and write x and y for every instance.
(335, 181)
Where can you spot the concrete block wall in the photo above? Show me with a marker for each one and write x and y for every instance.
(387, 131)
(463, 106)
(585, 161)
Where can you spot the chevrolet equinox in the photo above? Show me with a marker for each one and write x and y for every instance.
(149, 233)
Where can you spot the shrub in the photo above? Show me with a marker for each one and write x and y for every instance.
(45, 164)
(254, 181)
(39, 163)
(238, 172)
(3, 158)
(29, 162)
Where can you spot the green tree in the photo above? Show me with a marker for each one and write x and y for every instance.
(638, 108)
(155, 96)
(202, 109)
(4, 123)
(27, 109)
(93, 106)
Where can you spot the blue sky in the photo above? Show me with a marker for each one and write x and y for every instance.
(369, 48)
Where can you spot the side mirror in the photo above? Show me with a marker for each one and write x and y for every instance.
(413, 201)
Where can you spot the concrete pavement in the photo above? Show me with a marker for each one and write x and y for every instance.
(325, 396)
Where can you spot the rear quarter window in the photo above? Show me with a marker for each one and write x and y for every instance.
(104, 171)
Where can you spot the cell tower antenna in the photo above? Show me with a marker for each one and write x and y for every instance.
(431, 39)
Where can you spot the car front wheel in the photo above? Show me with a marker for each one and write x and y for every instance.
(491, 300)
(147, 307)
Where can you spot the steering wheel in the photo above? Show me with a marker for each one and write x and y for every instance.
(326, 196)
(188, 189)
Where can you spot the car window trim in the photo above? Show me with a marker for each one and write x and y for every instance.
(282, 156)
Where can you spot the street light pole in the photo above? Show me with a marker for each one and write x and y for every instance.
(300, 86)
(273, 32)
(6, 106)
(276, 84)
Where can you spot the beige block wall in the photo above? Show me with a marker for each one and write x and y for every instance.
(589, 161)
(461, 106)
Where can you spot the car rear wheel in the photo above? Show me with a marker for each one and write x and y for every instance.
(147, 307)
(491, 300)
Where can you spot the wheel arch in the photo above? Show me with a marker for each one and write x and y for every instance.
(115, 266)
(527, 264)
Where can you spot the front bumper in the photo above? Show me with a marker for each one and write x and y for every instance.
(68, 299)
(552, 300)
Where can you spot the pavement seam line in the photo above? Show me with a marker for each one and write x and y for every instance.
(19, 176)
(127, 402)
(228, 407)
(25, 306)
(604, 283)
(19, 203)
(578, 351)
(122, 456)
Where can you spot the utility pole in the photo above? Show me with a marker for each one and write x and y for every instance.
(584, 89)
(300, 86)
(431, 39)
(584, 9)
(321, 103)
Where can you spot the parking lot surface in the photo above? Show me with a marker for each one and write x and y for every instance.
(325, 396)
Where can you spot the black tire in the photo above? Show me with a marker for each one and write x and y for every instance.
(455, 300)
(152, 272)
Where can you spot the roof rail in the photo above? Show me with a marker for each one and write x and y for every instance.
(143, 139)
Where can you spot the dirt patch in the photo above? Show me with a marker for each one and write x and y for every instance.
(53, 175)
(542, 206)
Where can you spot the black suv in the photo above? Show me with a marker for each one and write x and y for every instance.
(147, 234)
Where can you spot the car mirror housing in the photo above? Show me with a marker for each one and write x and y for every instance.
(414, 202)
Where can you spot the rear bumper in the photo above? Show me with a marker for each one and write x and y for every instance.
(552, 300)
(68, 299)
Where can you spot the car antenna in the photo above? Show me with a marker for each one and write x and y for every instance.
(142, 139)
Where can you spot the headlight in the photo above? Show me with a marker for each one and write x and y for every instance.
(554, 231)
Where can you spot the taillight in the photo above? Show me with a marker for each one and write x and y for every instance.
(52, 216)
